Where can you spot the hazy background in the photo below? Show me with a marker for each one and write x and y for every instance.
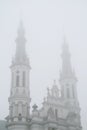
(45, 23)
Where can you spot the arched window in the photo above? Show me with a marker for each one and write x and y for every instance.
(12, 80)
(73, 92)
(56, 113)
(11, 111)
(24, 77)
(62, 92)
(17, 80)
(68, 93)
(51, 113)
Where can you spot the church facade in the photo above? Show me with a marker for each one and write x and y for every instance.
(60, 109)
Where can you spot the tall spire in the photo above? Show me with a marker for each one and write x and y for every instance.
(19, 100)
(67, 77)
(20, 56)
(66, 61)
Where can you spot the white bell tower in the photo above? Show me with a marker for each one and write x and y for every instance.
(19, 100)
(68, 82)
(68, 79)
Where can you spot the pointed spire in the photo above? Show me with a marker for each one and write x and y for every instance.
(66, 61)
(65, 47)
(21, 30)
(21, 56)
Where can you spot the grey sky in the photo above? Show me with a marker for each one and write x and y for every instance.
(45, 23)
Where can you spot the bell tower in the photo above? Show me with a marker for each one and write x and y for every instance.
(68, 83)
(19, 100)
(68, 79)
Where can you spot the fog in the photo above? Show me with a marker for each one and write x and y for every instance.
(45, 22)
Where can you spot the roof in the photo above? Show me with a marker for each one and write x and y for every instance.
(3, 125)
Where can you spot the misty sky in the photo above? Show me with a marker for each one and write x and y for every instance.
(45, 22)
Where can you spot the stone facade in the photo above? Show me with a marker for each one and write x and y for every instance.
(60, 110)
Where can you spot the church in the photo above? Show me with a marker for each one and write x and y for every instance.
(60, 109)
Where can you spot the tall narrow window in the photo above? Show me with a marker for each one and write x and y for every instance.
(68, 93)
(62, 92)
(24, 81)
(56, 113)
(11, 111)
(17, 80)
(12, 80)
(73, 91)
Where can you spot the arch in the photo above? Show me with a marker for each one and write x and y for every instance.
(73, 92)
(51, 113)
(56, 113)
